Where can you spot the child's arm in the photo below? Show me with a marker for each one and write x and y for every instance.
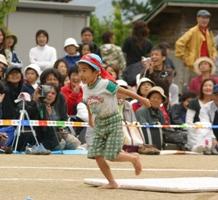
(91, 122)
(129, 93)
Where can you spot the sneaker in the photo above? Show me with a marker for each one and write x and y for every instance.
(207, 151)
(214, 150)
(43, 150)
(37, 150)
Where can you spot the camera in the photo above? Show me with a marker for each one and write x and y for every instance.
(44, 90)
(144, 59)
(164, 74)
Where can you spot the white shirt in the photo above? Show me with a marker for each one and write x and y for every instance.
(44, 57)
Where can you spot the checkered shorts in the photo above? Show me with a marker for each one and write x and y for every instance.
(108, 137)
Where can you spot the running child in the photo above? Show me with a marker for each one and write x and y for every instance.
(100, 98)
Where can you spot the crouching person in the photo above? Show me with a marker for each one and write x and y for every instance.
(53, 138)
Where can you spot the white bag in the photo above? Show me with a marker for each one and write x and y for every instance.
(133, 134)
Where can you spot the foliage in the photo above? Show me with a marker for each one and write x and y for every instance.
(99, 27)
(6, 7)
(116, 25)
(131, 8)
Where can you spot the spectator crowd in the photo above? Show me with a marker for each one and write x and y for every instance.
(56, 91)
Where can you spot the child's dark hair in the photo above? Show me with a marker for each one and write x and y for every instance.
(49, 71)
(186, 95)
(106, 37)
(74, 70)
(57, 62)
(44, 32)
(90, 45)
(162, 50)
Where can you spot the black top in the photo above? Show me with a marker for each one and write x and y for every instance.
(194, 105)
(133, 52)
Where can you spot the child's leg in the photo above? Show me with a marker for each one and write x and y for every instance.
(133, 158)
(105, 169)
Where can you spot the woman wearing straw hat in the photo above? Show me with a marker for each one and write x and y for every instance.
(205, 68)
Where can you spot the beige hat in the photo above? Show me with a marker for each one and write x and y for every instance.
(157, 89)
(70, 41)
(3, 60)
(201, 59)
(144, 80)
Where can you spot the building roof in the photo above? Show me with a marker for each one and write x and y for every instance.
(180, 3)
(42, 5)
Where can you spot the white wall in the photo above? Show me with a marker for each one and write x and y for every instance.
(59, 26)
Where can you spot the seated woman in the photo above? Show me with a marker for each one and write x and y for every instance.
(192, 115)
(153, 115)
(53, 138)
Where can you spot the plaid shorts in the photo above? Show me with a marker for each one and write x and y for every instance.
(108, 137)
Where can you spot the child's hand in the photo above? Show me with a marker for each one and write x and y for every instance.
(145, 102)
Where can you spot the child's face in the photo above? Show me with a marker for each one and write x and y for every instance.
(75, 80)
(85, 50)
(186, 102)
(112, 72)
(71, 50)
(52, 80)
(156, 100)
(14, 77)
(62, 68)
(87, 75)
(144, 88)
(31, 76)
(9, 42)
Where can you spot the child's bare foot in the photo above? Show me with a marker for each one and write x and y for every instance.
(112, 185)
(137, 165)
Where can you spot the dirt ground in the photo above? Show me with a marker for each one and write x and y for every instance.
(60, 177)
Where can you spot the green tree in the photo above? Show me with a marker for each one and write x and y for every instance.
(121, 30)
(114, 24)
(131, 8)
(99, 27)
(6, 7)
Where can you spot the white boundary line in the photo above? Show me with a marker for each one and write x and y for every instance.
(114, 169)
(41, 179)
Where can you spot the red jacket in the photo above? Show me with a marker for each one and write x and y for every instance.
(71, 98)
